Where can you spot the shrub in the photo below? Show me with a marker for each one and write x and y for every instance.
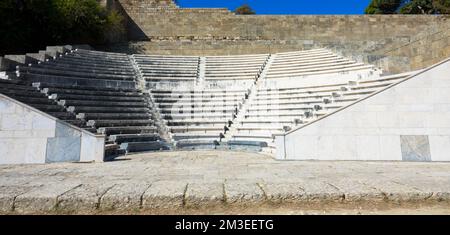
(27, 25)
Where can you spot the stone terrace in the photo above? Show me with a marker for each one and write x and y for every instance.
(206, 182)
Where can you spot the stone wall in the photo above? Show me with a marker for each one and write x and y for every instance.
(390, 41)
(406, 122)
(30, 136)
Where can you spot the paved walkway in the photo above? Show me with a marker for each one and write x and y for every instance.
(222, 182)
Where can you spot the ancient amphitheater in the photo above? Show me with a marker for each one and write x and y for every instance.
(286, 87)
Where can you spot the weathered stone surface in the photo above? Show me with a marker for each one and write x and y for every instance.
(318, 191)
(196, 179)
(243, 193)
(83, 199)
(204, 195)
(8, 194)
(397, 192)
(284, 192)
(124, 197)
(42, 199)
(353, 190)
(164, 195)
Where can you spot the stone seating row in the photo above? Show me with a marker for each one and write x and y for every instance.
(329, 70)
(115, 112)
(30, 95)
(84, 68)
(234, 68)
(198, 116)
(160, 68)
(276, 110)
(68, 73)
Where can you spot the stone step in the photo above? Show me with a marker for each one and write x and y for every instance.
(48, 108)
(197, 92)
(251, 77)
(321, 71)
(186, 129)
(100, 53)
(20, 87)
(88, 62)
(62, 86)
(68, 73)
(111, 149)
(75, 80)
(100, 57)
(90, 129)
(198, 96)
(126, 130)
(86, 69)
(63, 91)
(148, 78)
(89, 109)
(34, 100)
(134, 138)
(91, 60)
(97, 98)
(185, 136)
(158, 68)
(76, 122)
(113, 116)
(196, 116)
(113, 123)
(193, 144)
(228, 110)
(169, 75)
(61, 63)
(22, 93)
(95, 103)
(63, 115)
(145, 146)
(175, 106)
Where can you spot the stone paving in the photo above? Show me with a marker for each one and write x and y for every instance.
(219, 182)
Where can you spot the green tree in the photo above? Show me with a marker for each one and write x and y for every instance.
(244, 10)
(29, 25)
(426, 7)
(442, 6)
(383, 6)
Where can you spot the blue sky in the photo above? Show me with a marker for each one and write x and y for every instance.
(286, 6)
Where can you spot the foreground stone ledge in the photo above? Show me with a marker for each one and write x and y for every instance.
(243, 194)
(204, 195)
(164, 195)
(124, 197)
(82, 199)
(219, 182)
(193, 198)
(43, 199)
(8, 195)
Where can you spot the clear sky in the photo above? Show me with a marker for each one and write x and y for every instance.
(286, 6)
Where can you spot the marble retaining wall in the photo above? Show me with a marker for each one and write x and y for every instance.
(407, 122)
(28, 135)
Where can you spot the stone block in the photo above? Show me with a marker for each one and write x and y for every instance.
(204, 195)
(43, 199)
(164, 195)
(126, 197)
(243, 194)
(415, 148)
(83, 199)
